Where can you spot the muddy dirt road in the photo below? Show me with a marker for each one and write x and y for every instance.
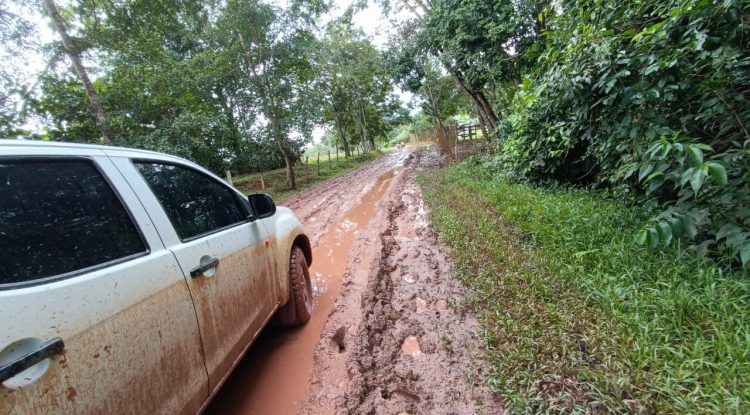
(388, 335)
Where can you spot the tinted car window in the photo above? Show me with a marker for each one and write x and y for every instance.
(195, 203)
(59, 216)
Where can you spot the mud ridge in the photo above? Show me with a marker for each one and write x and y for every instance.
(415, 350)
(369, 378)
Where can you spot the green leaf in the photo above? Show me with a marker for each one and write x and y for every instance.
(645, 170)
(656, 183)
(665, 233)
(629, 172)
(686, 175)
(640, 239)
(696, 155)
(678, 228)
(726, 230)
(703, 147)
(654, 175)
(665, 149)
(696, 181)
(735, 240)
(691, 229)
(654, 148)
(718, 172)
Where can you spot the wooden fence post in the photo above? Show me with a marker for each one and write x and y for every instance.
(307, 163)
(329, 159)
(337, 153)
(318, 163)
(454, 138)
(262, 181)
(229, 177)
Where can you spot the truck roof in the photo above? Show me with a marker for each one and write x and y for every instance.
(62, 144)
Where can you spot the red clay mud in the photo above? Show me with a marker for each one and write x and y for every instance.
(388, 335)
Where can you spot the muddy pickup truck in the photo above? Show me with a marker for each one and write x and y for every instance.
(133, 281)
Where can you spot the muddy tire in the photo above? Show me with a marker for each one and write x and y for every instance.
(298, 310)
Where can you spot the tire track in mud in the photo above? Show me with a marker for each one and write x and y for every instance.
(317, 208)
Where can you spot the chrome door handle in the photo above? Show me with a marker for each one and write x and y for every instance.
(45, 350)
(199, 270)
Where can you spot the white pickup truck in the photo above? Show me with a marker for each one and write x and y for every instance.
(134, 281)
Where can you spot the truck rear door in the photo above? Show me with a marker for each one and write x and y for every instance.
(89, 292)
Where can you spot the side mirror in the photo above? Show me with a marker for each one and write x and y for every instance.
(262, 205)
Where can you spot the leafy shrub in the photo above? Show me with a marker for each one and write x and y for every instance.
(650, 97)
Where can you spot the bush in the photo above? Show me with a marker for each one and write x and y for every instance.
(650, 97)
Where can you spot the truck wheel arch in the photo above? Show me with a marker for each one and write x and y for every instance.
(303, 242)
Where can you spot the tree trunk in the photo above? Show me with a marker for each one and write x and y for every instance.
(342, 134)
(484, 109)
(289, 170)
(269, 109)
(436, 120)
(487, 107)
(482, 122)
(360, 120)
(285, 153)
(96, 108)
(369, 137)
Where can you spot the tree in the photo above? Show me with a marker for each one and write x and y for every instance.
(355, 83)
(74, 54)
(276, 45)
(16, 39)
(474, 40)
(217, 82)
(170, 81)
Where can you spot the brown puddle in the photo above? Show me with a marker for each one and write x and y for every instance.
(274, 377)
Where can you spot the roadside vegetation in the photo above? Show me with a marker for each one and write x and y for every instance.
(277, 186)
(579, 319)
(648, 98)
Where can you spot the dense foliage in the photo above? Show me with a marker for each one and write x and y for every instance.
(355, 85)
(15, 39)
(650, 96)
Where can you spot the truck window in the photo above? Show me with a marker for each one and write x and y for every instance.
(59, 216)
(195, 203)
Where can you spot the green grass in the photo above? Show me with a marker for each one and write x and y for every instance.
(579, 319)
(307, 176)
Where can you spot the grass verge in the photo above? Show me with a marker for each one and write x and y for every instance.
(307, 176)
(579, 319)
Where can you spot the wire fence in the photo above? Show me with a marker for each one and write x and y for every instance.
(326, 157)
